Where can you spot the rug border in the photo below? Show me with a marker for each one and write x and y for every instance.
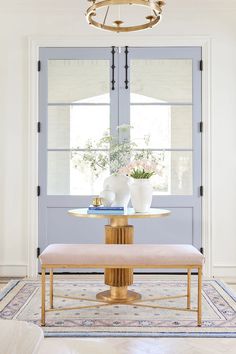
(12, 283)
(226, 288)
(139, 335)
(8, 287)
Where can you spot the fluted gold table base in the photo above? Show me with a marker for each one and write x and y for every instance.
(118, 232)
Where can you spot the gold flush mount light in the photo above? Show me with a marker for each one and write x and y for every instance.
(154, 7)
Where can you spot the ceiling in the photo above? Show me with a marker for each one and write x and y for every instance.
(57, 5)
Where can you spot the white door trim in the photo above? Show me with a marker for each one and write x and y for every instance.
(141, 41)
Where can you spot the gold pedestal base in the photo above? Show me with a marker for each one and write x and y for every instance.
(118, 232)
(119, 294)
(119, 277)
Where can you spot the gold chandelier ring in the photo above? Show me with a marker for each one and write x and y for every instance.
(153, 20)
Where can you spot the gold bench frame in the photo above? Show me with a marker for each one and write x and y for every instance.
(101, 303)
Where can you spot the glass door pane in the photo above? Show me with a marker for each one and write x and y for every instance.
(78, 118)
(70, 81)
(161, 119)
(163, 80)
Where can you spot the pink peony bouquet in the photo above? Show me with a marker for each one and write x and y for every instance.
(140, 169)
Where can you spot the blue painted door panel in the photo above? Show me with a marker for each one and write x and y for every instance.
(184, 223)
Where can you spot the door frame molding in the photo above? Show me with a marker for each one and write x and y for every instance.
(34, 43)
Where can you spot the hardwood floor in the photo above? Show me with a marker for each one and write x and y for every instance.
(233, 287)
(141, 345)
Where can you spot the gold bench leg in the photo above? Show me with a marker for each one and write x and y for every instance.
(199, 305)
(43, 276)
(51, 288)
(189, 288)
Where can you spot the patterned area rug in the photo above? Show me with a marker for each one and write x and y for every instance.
(21, 300)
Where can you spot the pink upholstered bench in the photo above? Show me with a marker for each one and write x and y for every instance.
(122, 256)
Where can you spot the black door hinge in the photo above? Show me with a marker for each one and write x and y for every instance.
(39, 65)
(201, 127)
(38, 252)
(201, 191)
(201, 65)
(201, 250)
(38, 191)
(38, 127)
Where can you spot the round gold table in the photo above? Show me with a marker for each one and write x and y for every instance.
(119, 232)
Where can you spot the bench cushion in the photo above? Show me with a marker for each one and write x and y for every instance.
(120, 255)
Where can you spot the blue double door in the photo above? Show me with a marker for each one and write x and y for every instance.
(154, 96)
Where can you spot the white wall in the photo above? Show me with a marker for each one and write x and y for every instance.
(20, 19)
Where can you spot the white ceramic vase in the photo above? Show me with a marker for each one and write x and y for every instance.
(141, 194)
(108, 197)
(119, 185)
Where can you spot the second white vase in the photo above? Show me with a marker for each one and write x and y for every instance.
(141, 194)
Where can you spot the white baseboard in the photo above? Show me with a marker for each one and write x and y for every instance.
(224, 271)
(13, 270)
